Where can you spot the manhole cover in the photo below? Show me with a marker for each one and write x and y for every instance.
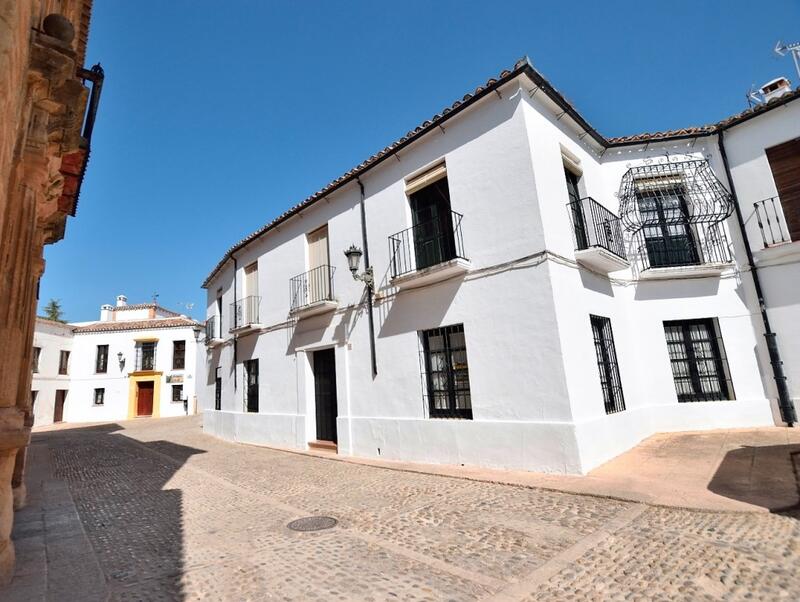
(312, 523)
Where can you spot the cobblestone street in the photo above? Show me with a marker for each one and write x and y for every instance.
(168, 513)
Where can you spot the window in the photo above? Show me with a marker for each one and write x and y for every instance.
(101, 359)
(447, 373)
(177, 392)
(218, 389)
(63, 362)
(576, 207)
(219, 314)
(668, 237)
(251, 385)
(146, 355)
(784, 161)
(432, 219)
(699, 364)
(178, 355)
(99, 396)
(607, 364)
(37, 352)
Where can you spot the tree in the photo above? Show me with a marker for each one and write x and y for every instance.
(53, 311)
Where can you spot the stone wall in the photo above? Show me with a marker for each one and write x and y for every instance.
(42, 104)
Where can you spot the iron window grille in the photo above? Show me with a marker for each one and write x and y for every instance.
(427, 244)
(595, 226)
(607, 364)
(699, 364)
(37, 352)
(177, 393)
(675, 211)
(771, 222)
(245, 311)
(446, 372)
(311, 287)
(146, 355)
(178, 355)
(99, 397)
(101, 359)
(63, 362)
(218, 389)
(251, 385)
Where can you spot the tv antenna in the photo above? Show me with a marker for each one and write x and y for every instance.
(782, 49)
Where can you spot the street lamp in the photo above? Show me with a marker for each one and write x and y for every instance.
(353, 255)
(121, 359)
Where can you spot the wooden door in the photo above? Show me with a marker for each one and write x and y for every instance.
(432, 219)
(144, 399)
(784, 161)
(325, 394)
(58, 410)
(318, 279)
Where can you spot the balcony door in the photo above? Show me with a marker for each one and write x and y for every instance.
(578, 220)
(251, 298)
(318, 277)
(668, 236)
(432, 222)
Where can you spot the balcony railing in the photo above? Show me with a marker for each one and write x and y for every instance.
(595, 226)
(681, 245)
(311, 287)
(426, 244)
(771, 222)
(244, 312)
(212, 329)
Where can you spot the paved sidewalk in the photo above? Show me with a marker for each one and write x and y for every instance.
(737, 470)
(172, 514)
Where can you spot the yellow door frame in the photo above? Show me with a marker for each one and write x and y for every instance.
(133, 391)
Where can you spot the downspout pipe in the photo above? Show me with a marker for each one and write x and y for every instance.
(233, 316)
(369, 288)
(785, 404)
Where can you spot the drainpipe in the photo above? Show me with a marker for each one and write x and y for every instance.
(369, 288)
(235, 269)
(788, 414)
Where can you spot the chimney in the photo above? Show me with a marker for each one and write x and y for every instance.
(122, 300)
(106, 311)
(775, 88)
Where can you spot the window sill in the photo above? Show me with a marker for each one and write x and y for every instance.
(601, 260)
(702, 270)
(432, 274)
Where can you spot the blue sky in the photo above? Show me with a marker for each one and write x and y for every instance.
(216, 117)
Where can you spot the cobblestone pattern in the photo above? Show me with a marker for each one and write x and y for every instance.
(174, 514)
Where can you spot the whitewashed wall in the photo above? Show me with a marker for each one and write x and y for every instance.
(536, 395)
(51, 338)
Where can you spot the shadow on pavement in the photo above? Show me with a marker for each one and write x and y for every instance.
(134, 524)
(765, 476)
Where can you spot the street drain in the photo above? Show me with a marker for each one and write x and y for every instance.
(312, 523)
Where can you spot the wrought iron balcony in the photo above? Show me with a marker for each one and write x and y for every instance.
(771, 222)
(244, 314)
(312, 292)
(213, 330)
(598, 235)
(427, 245)
(702, 247)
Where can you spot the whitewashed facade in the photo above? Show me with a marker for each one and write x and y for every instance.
(500, 274)
(136, 361)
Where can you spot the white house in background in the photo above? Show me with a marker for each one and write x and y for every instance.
(544, 297)
(136, 361)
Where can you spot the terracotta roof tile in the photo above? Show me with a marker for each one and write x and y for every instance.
(136, 325)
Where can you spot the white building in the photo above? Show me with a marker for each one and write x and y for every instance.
(516, 321)
(136, 361)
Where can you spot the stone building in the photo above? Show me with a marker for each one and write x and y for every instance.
(137, 360)
(48, 102)
(528, 293)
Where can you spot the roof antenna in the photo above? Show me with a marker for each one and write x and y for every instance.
(155, 298)
(781, 49)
